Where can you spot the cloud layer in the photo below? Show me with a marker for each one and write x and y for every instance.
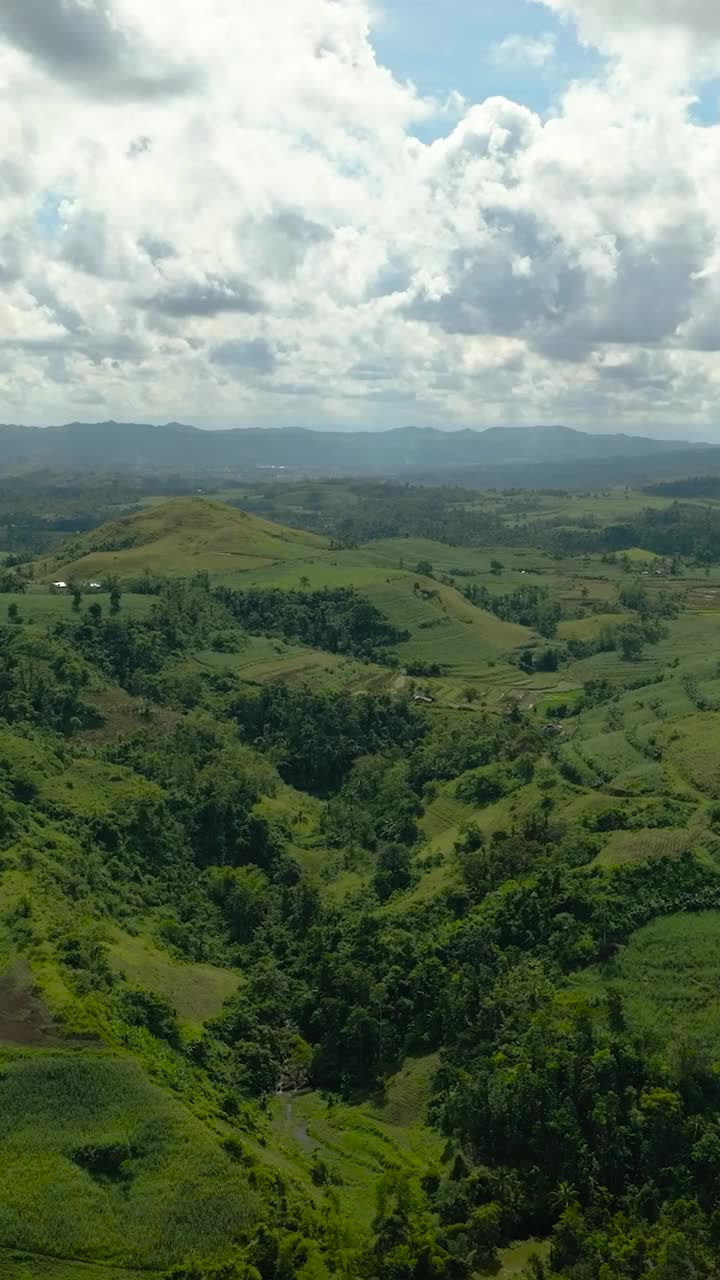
(222, 213)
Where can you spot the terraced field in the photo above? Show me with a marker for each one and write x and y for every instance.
(445, 628)
(355, 1145)
(636, 846)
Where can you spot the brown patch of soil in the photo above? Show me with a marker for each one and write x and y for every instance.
(24, 1019)
(120, 715)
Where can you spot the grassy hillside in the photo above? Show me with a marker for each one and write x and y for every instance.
(181, 536)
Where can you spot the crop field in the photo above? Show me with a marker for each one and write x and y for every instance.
(445, 817)
(445, 628)
(266, 659)
(609, 754)
(668, 976)
(635, 846)
(96, 1163)
(24, 1266)
(691, 746)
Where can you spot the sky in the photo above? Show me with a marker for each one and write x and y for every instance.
(361, 213)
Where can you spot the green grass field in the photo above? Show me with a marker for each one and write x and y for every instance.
(96, 1163)
(24, 1266)
(669, 977)
(40, 607)
(197, 991)
(357, 1144)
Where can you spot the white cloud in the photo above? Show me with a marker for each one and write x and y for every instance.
(525, 51)
(660, 40)
(219, 212)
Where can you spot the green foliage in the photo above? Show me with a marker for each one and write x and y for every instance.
(314, 738)
(528, 606)
(337, 620)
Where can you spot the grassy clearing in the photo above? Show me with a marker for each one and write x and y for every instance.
(668, 976)
(515, 1260)
(41, 607)
(93, 789)
(197, 991)
(121, 715)
(357, 1144)
(589, 627)
(98, 1164)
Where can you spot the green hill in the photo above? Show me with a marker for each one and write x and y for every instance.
(179, 537)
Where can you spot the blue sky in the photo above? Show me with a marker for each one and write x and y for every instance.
(446, 45)
(452, 45)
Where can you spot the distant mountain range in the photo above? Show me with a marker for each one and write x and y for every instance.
(553, 455)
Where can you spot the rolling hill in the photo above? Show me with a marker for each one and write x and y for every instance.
(180, 537)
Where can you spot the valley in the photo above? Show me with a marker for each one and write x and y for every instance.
(354, 838)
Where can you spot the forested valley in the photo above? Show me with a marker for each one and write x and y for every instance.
(360, 898)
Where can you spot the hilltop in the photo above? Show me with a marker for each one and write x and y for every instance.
(181, 536)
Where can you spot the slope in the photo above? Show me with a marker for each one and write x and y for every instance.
(179, 537)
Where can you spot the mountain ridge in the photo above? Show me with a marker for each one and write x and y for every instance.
(411, 450)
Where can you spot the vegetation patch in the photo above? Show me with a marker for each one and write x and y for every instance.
(668, 976)
(97, 1164)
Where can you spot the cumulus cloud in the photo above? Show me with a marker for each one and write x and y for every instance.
(83, 42)
(605, 17)
(666, 41)
(525, 51)
(246, 227)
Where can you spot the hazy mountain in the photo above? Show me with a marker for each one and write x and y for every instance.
(414, 451)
